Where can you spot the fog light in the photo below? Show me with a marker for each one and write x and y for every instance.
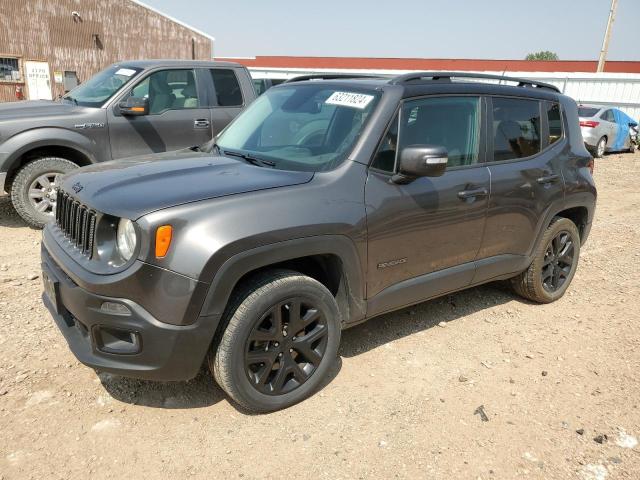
(113, 308)
(114, 340)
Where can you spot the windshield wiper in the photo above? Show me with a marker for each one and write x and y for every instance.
(258, 162)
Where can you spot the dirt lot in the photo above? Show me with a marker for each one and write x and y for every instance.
(559, 384)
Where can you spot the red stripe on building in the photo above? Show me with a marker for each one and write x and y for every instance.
(361, 63)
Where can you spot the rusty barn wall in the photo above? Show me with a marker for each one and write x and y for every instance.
(46, 30)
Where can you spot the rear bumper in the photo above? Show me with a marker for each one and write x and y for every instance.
(590, 136)
(154, 350)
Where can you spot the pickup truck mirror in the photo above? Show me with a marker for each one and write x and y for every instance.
(421, 161)
(134, 106)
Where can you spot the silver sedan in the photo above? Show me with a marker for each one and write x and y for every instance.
(604, 129)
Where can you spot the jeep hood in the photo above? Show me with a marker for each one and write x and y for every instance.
(36, 108)
(137, 186)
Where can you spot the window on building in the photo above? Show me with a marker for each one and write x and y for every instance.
(554, 118)
(10, 70)
(516, 128)
(168, 90)
(449, 122)
(227, 87)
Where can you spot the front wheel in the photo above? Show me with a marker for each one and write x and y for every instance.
(282, 336)
(554, 265)
(35, 187)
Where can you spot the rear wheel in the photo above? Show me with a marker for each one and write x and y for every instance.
(554, 265)
(601, 147)
(282, 336)
(34, 189)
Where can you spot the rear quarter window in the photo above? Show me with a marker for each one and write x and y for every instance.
(227, 88)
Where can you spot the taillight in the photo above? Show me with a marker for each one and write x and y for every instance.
(591, 165)
(589, 123)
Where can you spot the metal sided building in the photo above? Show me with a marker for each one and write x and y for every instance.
(49, 46)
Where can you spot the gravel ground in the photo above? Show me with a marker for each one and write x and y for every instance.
(503, 389)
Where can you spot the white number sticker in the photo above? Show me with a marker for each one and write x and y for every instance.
(127, 72)
(349, 99)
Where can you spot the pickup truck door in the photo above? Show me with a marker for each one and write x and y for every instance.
(229, 91)
(178, 116)
(426, 233)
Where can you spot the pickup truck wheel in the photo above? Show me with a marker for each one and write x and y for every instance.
(554, 265)
(282, 336)
(33, 192)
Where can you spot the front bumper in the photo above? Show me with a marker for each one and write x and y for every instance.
(156, 350)
(3, 181)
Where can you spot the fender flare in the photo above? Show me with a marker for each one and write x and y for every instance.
(13, 148)
(235, 267)
(581, 200)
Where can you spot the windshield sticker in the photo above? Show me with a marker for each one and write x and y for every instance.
(127, 72)
(348, 99)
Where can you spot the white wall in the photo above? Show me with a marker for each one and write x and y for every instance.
(621, 90)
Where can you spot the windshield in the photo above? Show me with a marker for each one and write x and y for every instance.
(587, 111)
(102, 86)
(305, 127)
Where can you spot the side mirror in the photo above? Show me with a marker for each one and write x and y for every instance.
(421, 161)
(134, 106)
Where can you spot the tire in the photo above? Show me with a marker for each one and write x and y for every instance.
(600, 148)
(632, 147)
(34, 177)
(253, 385)
(530, 285)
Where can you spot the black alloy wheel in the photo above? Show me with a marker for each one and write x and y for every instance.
(286, 346)
(558, 262)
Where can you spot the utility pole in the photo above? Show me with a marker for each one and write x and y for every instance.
(607, 36)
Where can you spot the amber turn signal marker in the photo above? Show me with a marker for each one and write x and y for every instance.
(137, 109)
(163, 240)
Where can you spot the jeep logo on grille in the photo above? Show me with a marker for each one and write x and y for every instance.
(77, 187)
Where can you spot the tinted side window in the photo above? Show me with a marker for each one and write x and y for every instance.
(554, 118)
(227, 87)
(516, 128)
(450, 122)
(168, 90)
(385, 158)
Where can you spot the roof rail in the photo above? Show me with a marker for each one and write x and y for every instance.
(332, 76)
(447, 76)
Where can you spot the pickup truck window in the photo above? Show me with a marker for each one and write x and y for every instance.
(227, 87)
(302, 127)
(98, 89)
(168, 90)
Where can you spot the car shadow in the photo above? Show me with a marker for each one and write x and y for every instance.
(8, 216)
(203, 391)
(401, 323)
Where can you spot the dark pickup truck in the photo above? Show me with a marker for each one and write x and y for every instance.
(130, 108)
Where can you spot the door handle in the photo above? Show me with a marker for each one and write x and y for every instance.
(478, 192)
(548, 179)
(201, 123)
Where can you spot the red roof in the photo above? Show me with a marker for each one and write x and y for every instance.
(362, 63)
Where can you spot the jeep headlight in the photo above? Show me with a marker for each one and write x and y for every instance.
(126, 239)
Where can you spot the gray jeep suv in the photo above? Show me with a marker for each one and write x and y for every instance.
(325, 203)
(130, 108)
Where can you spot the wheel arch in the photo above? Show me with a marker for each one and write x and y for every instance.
(330, 259)
(53, 142)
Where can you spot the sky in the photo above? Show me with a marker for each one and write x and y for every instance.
(500, 29)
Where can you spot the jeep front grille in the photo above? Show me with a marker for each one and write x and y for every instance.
(77, 222)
